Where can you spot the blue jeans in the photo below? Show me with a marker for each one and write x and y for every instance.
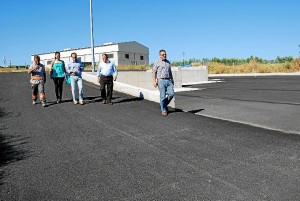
(166, 90)
(76, 81)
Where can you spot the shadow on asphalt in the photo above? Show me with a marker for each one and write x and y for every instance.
(176, 110)
(10, 150)
(95, 99)
(196, 111)
(127, 100)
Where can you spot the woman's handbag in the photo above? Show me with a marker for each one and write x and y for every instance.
(68, 79)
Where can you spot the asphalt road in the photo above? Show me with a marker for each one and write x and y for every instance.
(271, 102)
(128, 151)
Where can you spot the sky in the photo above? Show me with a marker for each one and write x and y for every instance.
(199, 28)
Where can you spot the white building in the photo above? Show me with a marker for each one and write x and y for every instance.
(124, 53)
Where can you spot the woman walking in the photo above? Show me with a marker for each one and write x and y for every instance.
(38, 80)
(57, 73)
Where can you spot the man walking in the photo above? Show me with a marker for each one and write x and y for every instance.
(107, 73)
(163, 78)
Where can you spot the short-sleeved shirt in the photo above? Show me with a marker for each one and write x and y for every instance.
(58, 69)
(39, 71)
(163, 69)
(107, 69)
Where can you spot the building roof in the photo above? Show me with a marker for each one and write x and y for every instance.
(103, 45)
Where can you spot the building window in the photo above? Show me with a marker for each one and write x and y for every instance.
(141, 57)
(126, 56)
(109, 56)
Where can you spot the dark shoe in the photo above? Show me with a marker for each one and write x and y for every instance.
(110, 103)
(164, 113)
(104, 101)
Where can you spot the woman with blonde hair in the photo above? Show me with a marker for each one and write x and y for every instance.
(38, 80)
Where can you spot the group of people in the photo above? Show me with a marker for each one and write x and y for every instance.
(106, 74)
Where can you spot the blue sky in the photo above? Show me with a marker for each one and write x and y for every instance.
(201, 29)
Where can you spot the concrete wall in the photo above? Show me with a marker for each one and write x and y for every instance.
(193, 75)
(143, 79)
(181, 76)
(151, 95)
(139, 83)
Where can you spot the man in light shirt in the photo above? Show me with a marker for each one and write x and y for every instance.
(107, 73)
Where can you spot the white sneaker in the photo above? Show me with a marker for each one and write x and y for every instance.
(43, 103)
(81, 102)
(75, 102)
(33, 102)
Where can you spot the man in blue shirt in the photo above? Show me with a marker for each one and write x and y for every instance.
(107, 73)
(75, 68)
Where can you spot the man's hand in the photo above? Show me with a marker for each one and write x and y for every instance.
(155, 83)
(115, 78)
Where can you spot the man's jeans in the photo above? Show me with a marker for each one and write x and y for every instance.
(166, 90)
(76, 81)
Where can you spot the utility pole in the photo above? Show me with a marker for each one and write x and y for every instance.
(183, 53)
(92, 36)
(4, 61)
(299, 50)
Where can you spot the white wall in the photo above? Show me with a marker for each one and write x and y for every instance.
(194, 75)
(133, 57)
(119, 50)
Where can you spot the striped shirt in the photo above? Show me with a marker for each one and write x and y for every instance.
(163, 69)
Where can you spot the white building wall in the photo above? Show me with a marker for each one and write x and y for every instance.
(134, 58)
(134, 49)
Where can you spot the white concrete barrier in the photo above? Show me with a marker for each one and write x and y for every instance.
(139, 83)
(194, 75)
(151, 95)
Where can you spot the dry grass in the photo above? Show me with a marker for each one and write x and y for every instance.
(12, 70)
(254, 67)
(213, 68)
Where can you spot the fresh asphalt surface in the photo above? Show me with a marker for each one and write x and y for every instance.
(271, 102)
(128, 151)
